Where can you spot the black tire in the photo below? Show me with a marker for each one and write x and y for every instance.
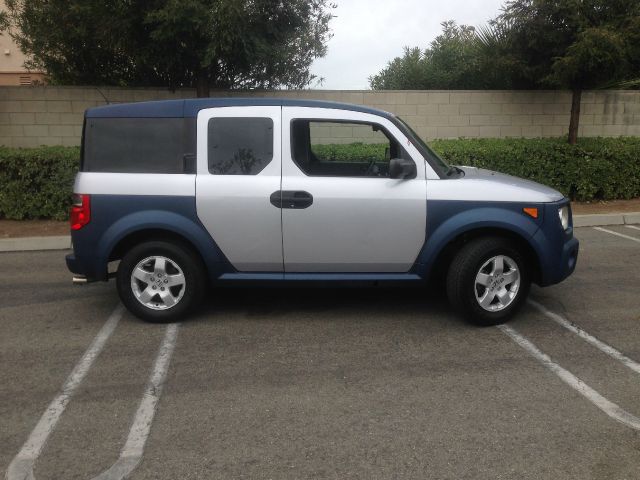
(183, 257)
(461, 279)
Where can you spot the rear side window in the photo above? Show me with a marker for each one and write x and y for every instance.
(239, 146)
(135, 145)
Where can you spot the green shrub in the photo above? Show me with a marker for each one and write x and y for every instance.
(351, 152)
(594, 169)
(37, 182)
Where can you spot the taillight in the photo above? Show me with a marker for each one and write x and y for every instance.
(80, 211)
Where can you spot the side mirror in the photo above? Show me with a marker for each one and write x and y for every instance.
(402, 168)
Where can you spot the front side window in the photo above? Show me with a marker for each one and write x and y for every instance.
(343, 149)
(239, 146)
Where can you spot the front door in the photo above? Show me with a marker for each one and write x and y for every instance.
(239, 168)
(341, 212)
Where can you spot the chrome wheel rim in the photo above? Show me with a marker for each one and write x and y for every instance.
(497, 283)
(158, 282)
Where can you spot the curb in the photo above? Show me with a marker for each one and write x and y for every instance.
(24, 244)
(603, 219)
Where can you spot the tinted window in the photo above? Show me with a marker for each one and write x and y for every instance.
(343, 149)
(135, 145)
(240, 146)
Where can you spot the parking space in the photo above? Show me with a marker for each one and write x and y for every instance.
(326, 383)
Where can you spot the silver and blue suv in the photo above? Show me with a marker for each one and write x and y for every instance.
(190, 194)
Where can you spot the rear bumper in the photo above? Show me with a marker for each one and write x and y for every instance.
(73, 265)
(85, 260)
(79, 268)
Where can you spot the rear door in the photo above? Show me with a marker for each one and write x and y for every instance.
(239, 168)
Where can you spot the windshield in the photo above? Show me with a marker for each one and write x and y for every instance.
(439, 165)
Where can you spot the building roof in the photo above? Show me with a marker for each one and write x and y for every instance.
(191, 107)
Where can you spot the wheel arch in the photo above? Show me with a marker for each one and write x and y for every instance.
(453, 224)
(146, 226)
(444, 256)
(137, 237)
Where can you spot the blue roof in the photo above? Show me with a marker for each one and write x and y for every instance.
(191, 107)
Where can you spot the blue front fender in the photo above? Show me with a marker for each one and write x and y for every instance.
(447, 220)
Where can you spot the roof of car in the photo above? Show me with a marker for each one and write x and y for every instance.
(191, 107)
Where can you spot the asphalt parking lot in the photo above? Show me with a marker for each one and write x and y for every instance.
(323, 383)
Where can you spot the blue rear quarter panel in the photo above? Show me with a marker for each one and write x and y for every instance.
(113, 217)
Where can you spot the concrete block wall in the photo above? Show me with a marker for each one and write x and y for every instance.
(51, 115)
(339, 133)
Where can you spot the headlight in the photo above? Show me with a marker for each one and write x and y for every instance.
(563, 213)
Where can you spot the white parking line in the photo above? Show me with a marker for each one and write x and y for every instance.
(131, 453)
(21, 467)
(607, 406)
(622, 235)
(599, 344)
(633, 227)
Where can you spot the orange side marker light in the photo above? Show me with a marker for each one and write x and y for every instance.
(531, 211)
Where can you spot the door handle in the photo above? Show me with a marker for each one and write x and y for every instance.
(295, 199)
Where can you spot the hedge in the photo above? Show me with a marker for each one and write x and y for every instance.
(351, 152)
(36, 183)
(594, 169)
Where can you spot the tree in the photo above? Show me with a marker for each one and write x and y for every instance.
(454, 60)
(533, 44)
(238, 44)
(573, 44)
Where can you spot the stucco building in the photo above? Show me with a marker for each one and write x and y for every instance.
(12, 69)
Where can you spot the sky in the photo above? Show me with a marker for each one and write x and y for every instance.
(367, 34)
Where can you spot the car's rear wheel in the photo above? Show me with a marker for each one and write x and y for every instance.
(488, 280)
(160, 281)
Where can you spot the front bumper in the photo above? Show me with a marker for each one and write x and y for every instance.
(568, 259)
(556, 264)
(557, 248)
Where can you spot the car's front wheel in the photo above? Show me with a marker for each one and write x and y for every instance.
(488, 280)
(160, 281)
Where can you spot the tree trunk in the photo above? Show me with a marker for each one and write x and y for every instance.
(202, 85)
(575, 116)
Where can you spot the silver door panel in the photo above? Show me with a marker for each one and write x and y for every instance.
(354, 224)
(235, 209)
